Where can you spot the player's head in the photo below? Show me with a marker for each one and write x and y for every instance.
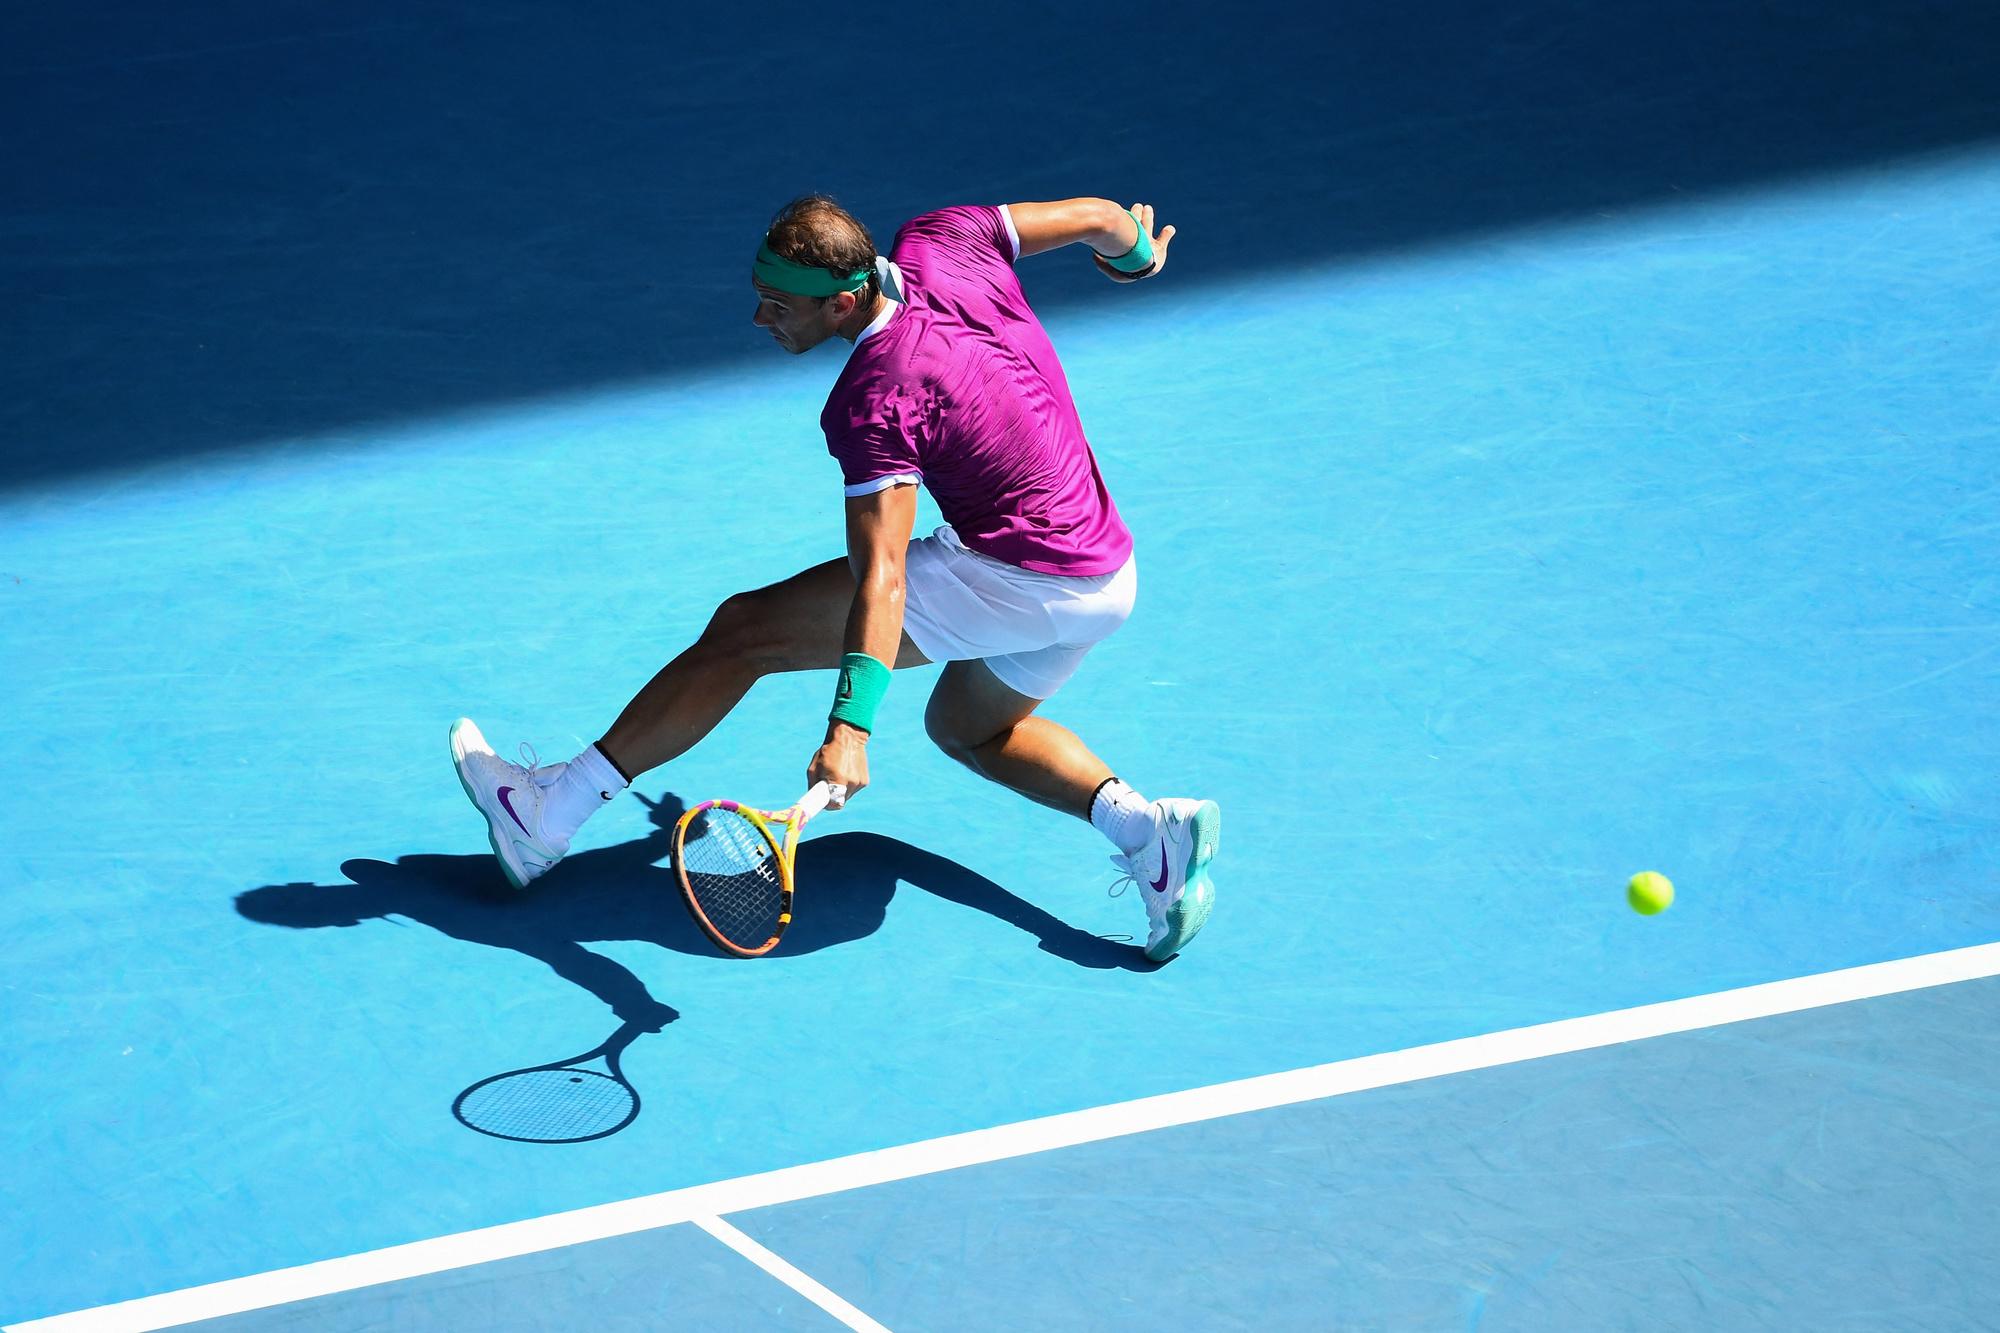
(814, 270)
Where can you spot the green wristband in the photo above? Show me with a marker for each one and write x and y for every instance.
(863, 682)
(1140, 257)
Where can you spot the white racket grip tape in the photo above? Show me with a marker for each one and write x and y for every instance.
(821, 797)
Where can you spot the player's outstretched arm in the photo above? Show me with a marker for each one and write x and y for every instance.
(1122, 241)
(878, 535)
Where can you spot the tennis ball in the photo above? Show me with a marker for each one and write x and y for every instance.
(1650, 892)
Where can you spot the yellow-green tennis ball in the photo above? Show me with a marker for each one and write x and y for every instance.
(1650, 892)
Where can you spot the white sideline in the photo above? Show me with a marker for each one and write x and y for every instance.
(711, 1201)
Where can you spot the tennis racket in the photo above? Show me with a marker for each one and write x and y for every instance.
(735, 868)
(565, 1102)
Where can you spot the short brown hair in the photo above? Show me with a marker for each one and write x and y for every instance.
(814, 229)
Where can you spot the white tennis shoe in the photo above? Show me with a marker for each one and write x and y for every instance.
(510, 796)
(1171, 871)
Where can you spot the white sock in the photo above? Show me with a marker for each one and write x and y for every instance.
(585, 786)
(1122, 815)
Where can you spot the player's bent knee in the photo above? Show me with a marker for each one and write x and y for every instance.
(953, 740)
(958, 749)
(732, 622)
(952, 746)
(761, 633)
(941, 733)
(743, 631)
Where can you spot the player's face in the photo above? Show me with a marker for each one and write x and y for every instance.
(797, 323)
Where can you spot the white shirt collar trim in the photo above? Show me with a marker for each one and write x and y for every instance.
(877, 324)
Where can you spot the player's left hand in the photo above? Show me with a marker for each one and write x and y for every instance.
(842, 760)
(1144, 213)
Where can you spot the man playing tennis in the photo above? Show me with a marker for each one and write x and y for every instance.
(952, 384)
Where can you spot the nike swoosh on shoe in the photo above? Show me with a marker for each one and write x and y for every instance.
(510, 809)
(1165, 869)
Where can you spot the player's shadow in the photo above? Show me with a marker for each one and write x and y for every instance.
(628, 892)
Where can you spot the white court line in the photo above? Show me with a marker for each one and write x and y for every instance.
(776, 1266)
(1023, 1137)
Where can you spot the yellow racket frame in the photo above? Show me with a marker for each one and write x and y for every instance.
(786, 849)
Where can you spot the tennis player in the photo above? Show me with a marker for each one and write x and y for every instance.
(951, 383)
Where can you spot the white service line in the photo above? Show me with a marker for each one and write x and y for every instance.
(793, 1183)
(776, 1266)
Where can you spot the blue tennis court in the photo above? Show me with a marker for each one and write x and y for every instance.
(1564, 446)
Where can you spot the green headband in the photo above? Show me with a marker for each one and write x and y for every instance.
(788, 275)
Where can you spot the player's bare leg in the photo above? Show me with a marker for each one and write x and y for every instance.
(533, 810)
(993, 731)
(1165, 846)
(797, 625)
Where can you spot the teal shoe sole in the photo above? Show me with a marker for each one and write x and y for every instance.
(1186, 917)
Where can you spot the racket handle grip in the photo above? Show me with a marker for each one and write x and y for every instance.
(822, 795)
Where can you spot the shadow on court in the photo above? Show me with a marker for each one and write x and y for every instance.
(244, 222)
(628, 892)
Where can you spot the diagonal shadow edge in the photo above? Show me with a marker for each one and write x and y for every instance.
(323, 232)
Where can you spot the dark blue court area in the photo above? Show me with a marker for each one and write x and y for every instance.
(1564, 445)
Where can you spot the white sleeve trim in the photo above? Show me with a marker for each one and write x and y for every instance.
(1007, 216)
(884, 483)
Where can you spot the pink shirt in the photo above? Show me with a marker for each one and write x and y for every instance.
(961, 389)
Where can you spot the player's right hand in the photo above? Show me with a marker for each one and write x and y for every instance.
(842, 760)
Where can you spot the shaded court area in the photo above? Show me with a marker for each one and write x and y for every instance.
(238, 225)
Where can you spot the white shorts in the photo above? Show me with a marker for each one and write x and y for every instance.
(1030, 629)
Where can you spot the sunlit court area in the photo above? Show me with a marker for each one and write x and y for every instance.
(1562, 471)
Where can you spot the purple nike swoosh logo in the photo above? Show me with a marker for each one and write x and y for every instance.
(510, 809)
(1161, 886)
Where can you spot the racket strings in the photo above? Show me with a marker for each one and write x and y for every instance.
(549, 1105)
(733, 874)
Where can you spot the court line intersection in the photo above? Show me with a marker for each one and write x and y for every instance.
(706, 1205)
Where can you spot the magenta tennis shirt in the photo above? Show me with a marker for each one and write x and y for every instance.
(961, 390)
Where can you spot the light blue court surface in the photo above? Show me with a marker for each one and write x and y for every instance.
(1483, 565)
(1828, 1169)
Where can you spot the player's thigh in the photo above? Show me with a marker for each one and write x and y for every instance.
(970, 706)
(796, 624)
